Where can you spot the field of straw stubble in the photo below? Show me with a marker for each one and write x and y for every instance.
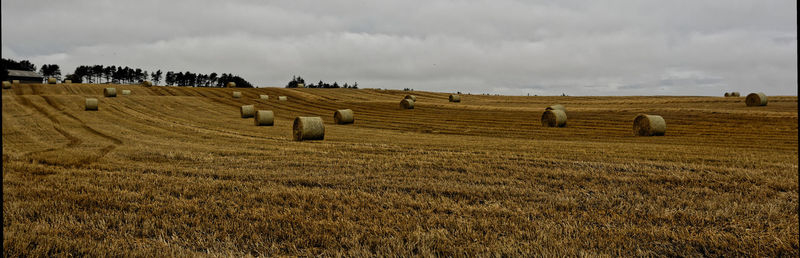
(176, 171)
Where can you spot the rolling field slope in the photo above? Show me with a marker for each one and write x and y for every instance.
(174, 170)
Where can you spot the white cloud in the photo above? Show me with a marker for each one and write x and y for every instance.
(507, 47)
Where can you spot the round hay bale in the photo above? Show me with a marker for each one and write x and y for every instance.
(110, 92)
(282, 98)
(264, 117)
(52, 80)
(264, 97)
(247, 111)
(6, 85)
(411, 97)
(554, 118)
(649, 125)
(91, 104)
(735, 94)
(756, 99)
(237, 94)
(308, 128)
(231, 85)
(455, 98)
(147, 83)
(15, 82)
(67, 81)
(126, 92)
(556, 107)
(727, 94)
(343, 116)
(407, 104)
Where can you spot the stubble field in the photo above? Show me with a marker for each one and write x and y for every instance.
(175, 171)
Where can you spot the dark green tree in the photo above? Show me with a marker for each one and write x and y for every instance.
(50, 70)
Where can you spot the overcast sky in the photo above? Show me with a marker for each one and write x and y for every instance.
(495, 46)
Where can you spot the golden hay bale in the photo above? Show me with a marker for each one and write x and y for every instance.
(554, 118)
(67, 81)
(264, 117)
(282, 98)
(6, 85)
(455, 98)
(649, 125)
(407, 104)
(556, 107)
(411, 97)
(15, 82)
(756, 99)
(301, 85)
(264, 97)
(231, 85)
(147, 83)
(308, 128)
(727, 94)
(343, 116)
(51, 80)
(247, 111)
(110, 92)
(126, 92)
(237, 94)
(735, 94)
(91, 104)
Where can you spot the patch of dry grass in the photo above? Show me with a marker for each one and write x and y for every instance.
(176, 171)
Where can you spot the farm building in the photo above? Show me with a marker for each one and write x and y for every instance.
(25, 76)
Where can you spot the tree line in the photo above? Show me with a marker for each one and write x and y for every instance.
(128, 75)
(203, 80)
(299, 80)
(10, 64)
(119, 74)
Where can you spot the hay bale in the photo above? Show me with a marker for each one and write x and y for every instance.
(735, 94)
(554, 118)
(110, 92)
(247, 111)
(237, 94)
(91, 104)
(407, 104)
(556, 107)
(756, 99)
(264, 117)
(343, 116)
(411, 97)
(15, 82)
(6, 85)
(649, 125)
(52, 80)
(308, 128)
(67, 81)
(282, 98)
(301, 85)
(231, 85)
(455, 98)
(264, 97)
(126, 92)
(147, 83)
(727, 94)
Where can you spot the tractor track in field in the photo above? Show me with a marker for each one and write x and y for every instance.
(142, 115)
(74, 141)
(62, 109)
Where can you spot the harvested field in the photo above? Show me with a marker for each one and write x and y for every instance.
(173, 170)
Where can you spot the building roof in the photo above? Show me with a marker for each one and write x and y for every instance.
(21, 73)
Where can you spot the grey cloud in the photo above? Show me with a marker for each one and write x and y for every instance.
(634, 86)
(574, 47)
